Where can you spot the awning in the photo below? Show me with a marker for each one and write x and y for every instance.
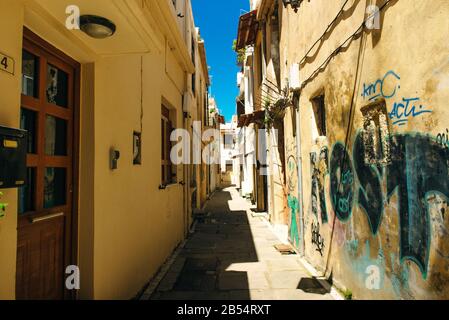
(258, 116)
(247, 119)
(242, 121)
(248, 27)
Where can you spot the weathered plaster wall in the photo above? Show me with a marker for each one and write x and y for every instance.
(380, 230)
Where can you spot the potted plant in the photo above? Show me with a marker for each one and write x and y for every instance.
(2, 206)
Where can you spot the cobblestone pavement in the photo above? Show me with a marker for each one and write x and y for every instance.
(231, 256)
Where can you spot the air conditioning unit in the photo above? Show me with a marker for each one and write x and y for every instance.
(187, 102)
(239, 78)
(294, 79)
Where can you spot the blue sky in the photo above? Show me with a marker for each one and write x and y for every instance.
(218, 23)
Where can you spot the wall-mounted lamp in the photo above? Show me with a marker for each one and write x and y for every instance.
(295, 4)
(97, 27)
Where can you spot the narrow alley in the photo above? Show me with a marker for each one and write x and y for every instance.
(231, 256)
(224, 150)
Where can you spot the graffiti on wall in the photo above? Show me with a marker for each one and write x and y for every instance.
(317, 239)
(443, 139)
(419, 167)
(384, 87)
(293, 202)
(341, 176)
(319, 168)
(371, 271)
(388, 87)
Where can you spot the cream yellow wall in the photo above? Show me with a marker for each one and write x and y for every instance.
(86, 190)
(127, 226)
(11, 21)
(136, 225)
(412, 46)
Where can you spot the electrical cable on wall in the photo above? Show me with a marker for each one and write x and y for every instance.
(324, 33)
(347, 42)
(351, 116)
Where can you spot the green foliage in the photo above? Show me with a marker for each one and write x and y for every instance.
(241, 53)
(347, 294)
(2, 207)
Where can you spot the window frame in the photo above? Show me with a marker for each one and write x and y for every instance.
(168, 169)
(319, 110)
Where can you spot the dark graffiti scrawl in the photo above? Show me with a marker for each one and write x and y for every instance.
(418, 168)
(319, 169)
(370, 191)
(317, 239)
(443, 139)
(341, 175)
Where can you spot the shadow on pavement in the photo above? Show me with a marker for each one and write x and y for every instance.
(222, 238)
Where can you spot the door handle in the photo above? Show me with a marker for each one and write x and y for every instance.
(48, 217)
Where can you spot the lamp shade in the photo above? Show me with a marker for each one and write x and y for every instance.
(97, 27)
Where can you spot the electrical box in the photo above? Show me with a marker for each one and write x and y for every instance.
(187, 102)
(13, 152)
(294, 78)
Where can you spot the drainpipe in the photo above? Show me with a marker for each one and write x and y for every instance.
(301, 199)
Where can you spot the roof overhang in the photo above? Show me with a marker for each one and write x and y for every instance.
(202, 50)
(264, 7)
(140, 25)
(248, 27)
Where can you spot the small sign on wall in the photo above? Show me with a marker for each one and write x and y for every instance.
(6, 63)
(137, 147)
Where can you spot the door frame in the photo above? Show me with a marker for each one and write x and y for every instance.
(71, 228)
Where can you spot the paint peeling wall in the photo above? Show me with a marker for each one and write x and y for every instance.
(375, 189)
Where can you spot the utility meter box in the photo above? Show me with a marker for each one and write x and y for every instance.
(13, 152)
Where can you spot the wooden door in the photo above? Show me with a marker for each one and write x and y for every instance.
(45, 220)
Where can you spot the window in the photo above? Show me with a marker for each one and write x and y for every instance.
(168, 170)
(228, 141)
(260, 62)
(319, 111)
(30, 74)
(206, 107)
(376, 134)
(194, 63)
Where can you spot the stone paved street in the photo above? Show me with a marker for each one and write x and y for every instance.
(231, 256)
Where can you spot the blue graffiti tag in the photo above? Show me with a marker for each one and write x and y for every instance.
(376, 89)
(405, 109)
(402, 110)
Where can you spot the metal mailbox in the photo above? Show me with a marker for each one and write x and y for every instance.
(13, 151)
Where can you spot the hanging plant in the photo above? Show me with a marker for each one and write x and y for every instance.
(276, 111)
(241, 53)
(2, 207)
